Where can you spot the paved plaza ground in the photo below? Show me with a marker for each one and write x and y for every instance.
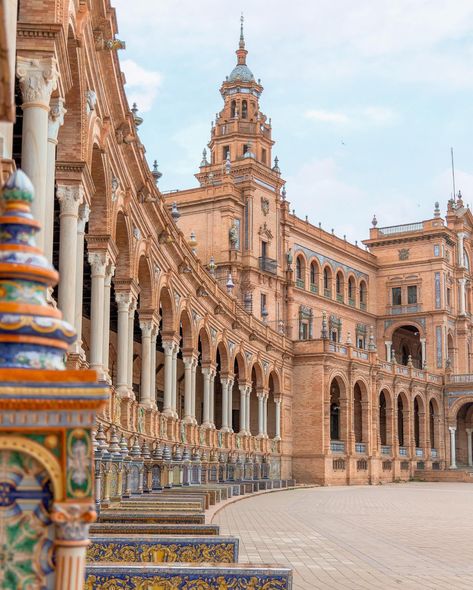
(411, 535)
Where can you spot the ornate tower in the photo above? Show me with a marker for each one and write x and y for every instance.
(234, 216)
(241, 130)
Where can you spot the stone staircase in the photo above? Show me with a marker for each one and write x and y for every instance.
(160, 541)
(462, 474)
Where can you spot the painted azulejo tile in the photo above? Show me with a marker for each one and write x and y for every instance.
(162, 550)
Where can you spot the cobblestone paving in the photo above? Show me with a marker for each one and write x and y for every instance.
(412, 536)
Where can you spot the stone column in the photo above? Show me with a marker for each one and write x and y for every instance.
(38, 78)
(461, 296)
(260, 395)
(388, 344)
(242, 389)
(461, 261)
(248, 407)
(145, 389)
(71, 541)
(265, 415)
(224, 382)
(154, 337)
(230, 404)
(83, 218)
(174, 380)
(98, 262)
(168, 347)
(131, 329)
(453, 450)
(193, 390)
(123, 300)
(213, 374)
(278, 401)
(56, 119)
(188, 365)
(206, 420)
(69, 197)
(424, 352)
(469, 447)
(110, 271)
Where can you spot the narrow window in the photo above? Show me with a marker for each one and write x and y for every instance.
(263, 156)
(244, 110)
(226, 152)
(245, 149)
(233, 109)
(264, 249)
(411, 294)
(396, 296)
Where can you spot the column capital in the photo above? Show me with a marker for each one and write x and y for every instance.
(469, 430)
(277, 398)
(168, 346)
(73, 520)
(84, 213)
(98, 260)
(109, 273)
(262, 393)
(452, 428)
(38, 78)
(146, 327)
(70, 196)
(56, 118)
(123, 300)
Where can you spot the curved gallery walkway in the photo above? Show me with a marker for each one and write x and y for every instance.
(412, 536)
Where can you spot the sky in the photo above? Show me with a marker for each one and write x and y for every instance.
(366, 97)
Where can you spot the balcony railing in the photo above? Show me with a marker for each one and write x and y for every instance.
(268, 265)
(300, 283)
(363, 306)
(328, 293)
(403, 451)
(314, 288)
(337, 446)
(339, 298)
(401, 309)
(465, 378)
(433, 453)
(419, 452)
(351, 302)
(340, 348)
(400, 229)
(386, 449)
(360, 448)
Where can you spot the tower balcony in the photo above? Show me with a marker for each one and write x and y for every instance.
(268, 265)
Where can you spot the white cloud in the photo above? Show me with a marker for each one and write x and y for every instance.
(372, 115)
(327, 116)
(141, 85)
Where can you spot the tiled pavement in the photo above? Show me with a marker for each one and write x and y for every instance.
(410, 536)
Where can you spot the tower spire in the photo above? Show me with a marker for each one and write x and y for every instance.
(241, 51)
(242, 36)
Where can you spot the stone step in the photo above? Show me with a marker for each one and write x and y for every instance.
(169, 505)
(162, 549)
(149, 517)
(130, 528)
(434, 475)
(183, 576)
(209, 497)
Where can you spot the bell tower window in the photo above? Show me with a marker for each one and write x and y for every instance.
(233, 109)
(245, 148)
(244, 109)
(263, 156)
(226, 153)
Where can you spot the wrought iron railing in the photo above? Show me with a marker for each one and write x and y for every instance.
(400, 229)
(337, 446)
(268, 265)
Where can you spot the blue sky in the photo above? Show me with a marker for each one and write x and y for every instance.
(365, 97)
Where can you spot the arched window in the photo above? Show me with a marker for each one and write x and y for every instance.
(300, 272)
(382, 419)
(314, 277)
(233, 109)
(334, 410)
(400, 421)
(244, 109)
(327, 282)
(351, 291)
(363, 295)
(432, 424)
(357, 414)
(339, 286)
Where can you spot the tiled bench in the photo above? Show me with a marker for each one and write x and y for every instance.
(162, 549)
(149, 517)
(131, 528)
(180, 576)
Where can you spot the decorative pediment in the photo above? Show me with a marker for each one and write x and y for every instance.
(265, 232)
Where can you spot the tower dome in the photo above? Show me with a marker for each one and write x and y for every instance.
(241, 72)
